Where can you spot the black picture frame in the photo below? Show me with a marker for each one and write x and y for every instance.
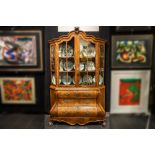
(136, 62)
(132, 28)
(36, 64)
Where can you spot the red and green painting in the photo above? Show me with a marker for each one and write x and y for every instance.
(129, 91)
(18, 90)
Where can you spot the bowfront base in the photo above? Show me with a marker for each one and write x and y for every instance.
(77, 105)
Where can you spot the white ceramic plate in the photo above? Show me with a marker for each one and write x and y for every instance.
(100, 79)
(91, 51)
(89, 80)
(69, 67)
(53, 79)
(81, 66)
(90, 66)
(64, 80)
(79, 81)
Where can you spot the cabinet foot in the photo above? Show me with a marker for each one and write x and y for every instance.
(104, 123)
(50, 124)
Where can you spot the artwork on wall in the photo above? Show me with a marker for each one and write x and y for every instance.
(132, 51)
(17, 90)
(21, 51)
(130, 91)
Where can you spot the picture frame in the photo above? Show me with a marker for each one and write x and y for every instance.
(130, 91)
(21, 51)
(131, 51)
(18, 90)
(132, 28)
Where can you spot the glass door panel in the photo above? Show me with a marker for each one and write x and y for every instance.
(66, 63)
(87, 62)
(101, 71)
(52, 65)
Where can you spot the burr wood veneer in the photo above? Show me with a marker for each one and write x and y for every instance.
(77, 92)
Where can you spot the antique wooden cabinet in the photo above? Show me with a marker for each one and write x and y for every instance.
(77, 91)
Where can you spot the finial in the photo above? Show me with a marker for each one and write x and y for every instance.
(76, 29)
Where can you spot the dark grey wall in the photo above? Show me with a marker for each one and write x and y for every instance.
(39, 80)
(43, 78)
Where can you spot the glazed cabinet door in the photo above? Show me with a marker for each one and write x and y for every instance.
(102, 63)
(87, 63)
(66, 65)
(52, 64)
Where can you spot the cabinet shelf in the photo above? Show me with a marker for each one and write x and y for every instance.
(86, 58)
(66, 71)
(66, 57)
(88, 71)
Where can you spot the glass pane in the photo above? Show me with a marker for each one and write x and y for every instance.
(102, 59)
(52, 58)
(87, 63)
(53, 79)
(66, 63)
(63, 80)
(52, 64)
(71, 78)
(101, 78)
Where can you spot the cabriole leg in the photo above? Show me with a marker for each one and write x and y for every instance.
(50, 124)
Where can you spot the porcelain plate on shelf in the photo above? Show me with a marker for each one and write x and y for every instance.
(70, 51)
(91, 51)
(90, 66)
(81, 66)
(64, 80)
(100, 79)
(53, 80)
(80, 82)
(69, 67)
(62, 51)
(87, 80)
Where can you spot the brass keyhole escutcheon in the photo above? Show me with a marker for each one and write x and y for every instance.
(76, 95)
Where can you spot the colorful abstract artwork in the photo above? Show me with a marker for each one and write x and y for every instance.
(18, 90)
(20, 51)
(132, 51)
(17, 50)
(129, 91)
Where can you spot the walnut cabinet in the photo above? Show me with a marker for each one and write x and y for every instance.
(77, 91)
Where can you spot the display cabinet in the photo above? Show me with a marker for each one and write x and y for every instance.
(77, 91)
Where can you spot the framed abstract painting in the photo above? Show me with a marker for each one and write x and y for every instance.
(18, 90)
(21, 51)
(130, 91)
(132, 51)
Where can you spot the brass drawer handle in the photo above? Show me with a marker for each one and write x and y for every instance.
(67, 94)
(85, 95)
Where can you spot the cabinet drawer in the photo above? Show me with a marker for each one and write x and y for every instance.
(77, 94)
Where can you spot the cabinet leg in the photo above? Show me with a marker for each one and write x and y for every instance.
(104, 123)
(50, 124)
